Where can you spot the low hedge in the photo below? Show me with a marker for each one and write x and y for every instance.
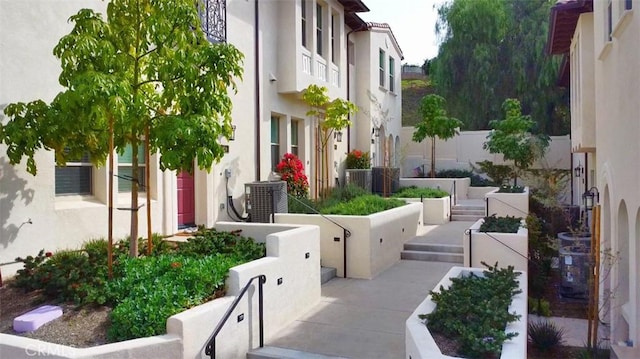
(363, 206)
(415, 192)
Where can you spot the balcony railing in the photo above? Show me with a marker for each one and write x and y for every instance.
(214, 20)
(306, 64)
(335, 76)
(321, 68)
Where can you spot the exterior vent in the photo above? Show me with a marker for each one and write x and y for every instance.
(265, 198)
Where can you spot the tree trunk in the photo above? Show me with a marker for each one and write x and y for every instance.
(133, 237)
(432, 173)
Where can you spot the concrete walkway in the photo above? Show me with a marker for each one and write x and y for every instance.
(448, 233)
(359, 318)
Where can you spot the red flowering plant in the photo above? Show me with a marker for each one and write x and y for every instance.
(357, 159)
(291, 170)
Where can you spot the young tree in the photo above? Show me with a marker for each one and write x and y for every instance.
(330, 116)
(512, 138)
(149, 76)
(435, 123)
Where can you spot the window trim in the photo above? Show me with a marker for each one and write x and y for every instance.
(392, 64)
(382, 67)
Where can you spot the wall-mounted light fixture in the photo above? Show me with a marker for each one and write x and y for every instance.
(590, 198)
(233, 133)
(578, 171)
(337, 136)
(375, 131)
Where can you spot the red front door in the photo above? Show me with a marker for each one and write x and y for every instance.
(186, 200)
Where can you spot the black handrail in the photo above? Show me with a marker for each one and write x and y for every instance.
(210, 349)
(469, 231)
(345, 231)
(452, 200)
(507, 204)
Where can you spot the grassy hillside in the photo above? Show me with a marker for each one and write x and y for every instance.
(412, 92)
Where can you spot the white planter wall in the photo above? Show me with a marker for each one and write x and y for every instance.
(374, 245)
(188, 332)
(419, 344)
(508, 204)
(434, 210)
(479, 192)
(492, 247)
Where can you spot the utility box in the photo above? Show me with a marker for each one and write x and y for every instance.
(385, 180)
(575, 264)
(265, 198)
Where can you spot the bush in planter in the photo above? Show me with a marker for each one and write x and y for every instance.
(291, 170)
(510, 189)
(357, 159)
(506, 224)
(363, 206)
(475, 311)
(415, 192)
(499, 174)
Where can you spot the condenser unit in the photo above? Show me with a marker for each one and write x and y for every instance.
(264, 198)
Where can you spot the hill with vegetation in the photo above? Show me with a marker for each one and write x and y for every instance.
(413, 90)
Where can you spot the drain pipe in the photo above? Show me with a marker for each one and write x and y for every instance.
(257, 87)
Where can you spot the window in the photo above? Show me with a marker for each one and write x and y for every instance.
(214, 20)
(303, 9)
(294, 138)
(275, 142)
(75, 178)
(382, 68)
(319, 26)
(334, 40)
(125, 170)
(392, 64)
(628, 4)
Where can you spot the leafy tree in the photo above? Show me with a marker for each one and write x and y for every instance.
(435, 123)
(495, 49)
(146, 74)
(512, 138)
(330, 116)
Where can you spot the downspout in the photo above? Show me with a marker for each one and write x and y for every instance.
(349, 81)
(257, 88)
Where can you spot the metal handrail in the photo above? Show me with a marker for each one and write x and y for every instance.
(452, 202)
(346, 233)
(210, 349)
(469, 232)
(508, 205)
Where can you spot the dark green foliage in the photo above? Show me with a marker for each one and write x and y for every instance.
(511, 189)
(475, 311)
(210, 242)
(506, 224)
(499, 174)
(336, 196)
(541, 252)
(155, 288)
(595, 353)
(495, 49)
(539, 306)
(545, 335)
(363, 206)
(415, 192)
(453, 173)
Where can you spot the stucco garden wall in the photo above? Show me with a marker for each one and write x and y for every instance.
(508, 204)
(508, 249)
(374, 245)
(434, 210)
(446, 184)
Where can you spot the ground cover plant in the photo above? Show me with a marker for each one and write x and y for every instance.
(474, 311)
(415, 192)
(145, 290)
(506, 224)
(335, 196)
(511, 189)
(363, 206)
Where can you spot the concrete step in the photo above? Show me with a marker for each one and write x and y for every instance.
(433, 247)
(465, 217)
(467, 207)
(432, 256)
(327, 274)
(284, 353)
(468, 211)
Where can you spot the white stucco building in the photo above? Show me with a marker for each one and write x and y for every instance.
(600, 41)
(287, 45)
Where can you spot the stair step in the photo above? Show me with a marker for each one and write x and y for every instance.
(470, 208)
(327, 274)
(285, 353)
(465, 217)
(479, 213)
(432, 256)
(433, 247)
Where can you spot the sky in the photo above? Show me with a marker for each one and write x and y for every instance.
(412, 23)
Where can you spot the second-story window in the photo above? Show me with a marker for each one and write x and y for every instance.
(303, 9)
(334, 39)
(319, 28)
(628, 4)
(214, 20)
(392, 64)
(382, 67)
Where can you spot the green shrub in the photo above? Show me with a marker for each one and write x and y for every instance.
(539, 307)
(475, 311)
(545, 335)
(415, 192)
(506, 224)
(453, 173)
(363, 206)
(301, 205)
(209, 241)
(499, 174)
(155, 288)
(511, 189)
